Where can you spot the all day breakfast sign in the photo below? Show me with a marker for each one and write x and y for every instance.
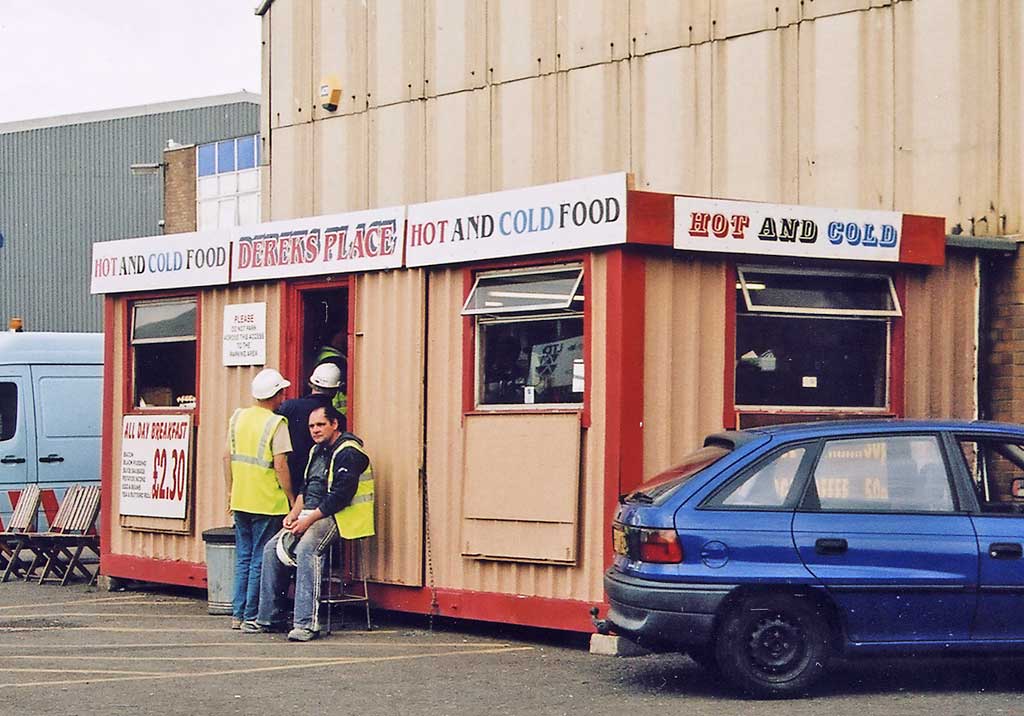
(155, 462)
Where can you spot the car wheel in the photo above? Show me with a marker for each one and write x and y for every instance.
(773, 645)
(704, 657)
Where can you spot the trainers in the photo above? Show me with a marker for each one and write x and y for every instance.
(302, 634)
(236, 623)
(252, 626)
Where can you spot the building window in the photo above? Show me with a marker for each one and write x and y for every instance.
(164, 353)
(228, 183)
(813, 340)
(529, 336)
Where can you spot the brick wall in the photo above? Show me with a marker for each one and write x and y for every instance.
(180, 190)
(1006, 339)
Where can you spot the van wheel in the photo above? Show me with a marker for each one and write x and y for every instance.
(773, 645)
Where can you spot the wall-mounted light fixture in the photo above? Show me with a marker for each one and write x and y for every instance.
(147, 168)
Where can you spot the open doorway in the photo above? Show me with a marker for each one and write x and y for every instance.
(323, 333)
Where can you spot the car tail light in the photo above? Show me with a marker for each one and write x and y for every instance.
(659, 546)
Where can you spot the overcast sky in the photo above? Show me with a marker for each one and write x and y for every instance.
(66, 56)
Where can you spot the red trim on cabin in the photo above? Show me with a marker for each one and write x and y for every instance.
(107, 435)
(468, 348)
(147, 569)
(923, 240)
(650, 218)
(518, 609)
(729, 419)
(898, 349)
(350, 357)
(624, 443)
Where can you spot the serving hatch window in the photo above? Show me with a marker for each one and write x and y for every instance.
(813, 339)
(529, 336)
(164, 353)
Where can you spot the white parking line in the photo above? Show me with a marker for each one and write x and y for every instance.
(254, 670)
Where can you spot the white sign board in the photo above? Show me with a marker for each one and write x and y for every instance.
(245, 334)
(555, 217)
(743, 227)
(158, 262)
(155, 465)
(338, 243)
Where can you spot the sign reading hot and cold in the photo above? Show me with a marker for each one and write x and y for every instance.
(567, 216)
(743, 227)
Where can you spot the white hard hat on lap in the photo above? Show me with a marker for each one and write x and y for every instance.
(286, 545)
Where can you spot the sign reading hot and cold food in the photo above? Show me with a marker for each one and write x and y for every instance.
(566, 216)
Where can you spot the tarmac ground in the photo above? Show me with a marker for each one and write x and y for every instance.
(80, 650)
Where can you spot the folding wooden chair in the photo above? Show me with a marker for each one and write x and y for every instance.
(21, 524)
(60, 549)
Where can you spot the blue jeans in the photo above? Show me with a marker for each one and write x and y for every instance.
(252, 532)
(309, 569)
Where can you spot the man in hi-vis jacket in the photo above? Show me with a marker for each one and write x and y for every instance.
(337, 499)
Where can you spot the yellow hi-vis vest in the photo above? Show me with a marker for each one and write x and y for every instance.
(254, 485)
(340, 400)
(356, 520)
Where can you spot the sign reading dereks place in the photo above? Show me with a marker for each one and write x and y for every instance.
(745, 227)
(540, 219)
(155, 457)
(157, 262)
(339, 243)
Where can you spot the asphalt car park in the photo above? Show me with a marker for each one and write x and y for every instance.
(79, 650)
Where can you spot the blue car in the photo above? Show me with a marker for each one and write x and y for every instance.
(769, 550)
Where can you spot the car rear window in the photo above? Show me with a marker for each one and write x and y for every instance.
(662, 484)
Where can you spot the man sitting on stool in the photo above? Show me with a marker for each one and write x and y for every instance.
(339, 486)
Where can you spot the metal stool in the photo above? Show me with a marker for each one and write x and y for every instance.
(340, 583)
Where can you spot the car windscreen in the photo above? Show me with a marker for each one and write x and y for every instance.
(664, 483)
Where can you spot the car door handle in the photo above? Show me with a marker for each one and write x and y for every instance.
(1005, 550)
(11, 460)
(830, 545)
(52, 457)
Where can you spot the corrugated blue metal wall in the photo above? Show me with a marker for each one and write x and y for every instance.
(65, 186)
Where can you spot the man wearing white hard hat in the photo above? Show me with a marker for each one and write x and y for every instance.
(324, 382)
(256, 470)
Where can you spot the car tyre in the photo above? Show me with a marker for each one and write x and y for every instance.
(773, 645)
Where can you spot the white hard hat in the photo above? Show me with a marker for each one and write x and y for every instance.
(266, 384)
(286, 544)
(326, 375)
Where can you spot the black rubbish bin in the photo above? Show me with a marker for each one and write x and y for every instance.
(220, 568)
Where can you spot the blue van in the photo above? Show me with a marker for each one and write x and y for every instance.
(51, 388)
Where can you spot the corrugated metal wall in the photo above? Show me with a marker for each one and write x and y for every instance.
(445, 441)
(941, 339)
(387, 400)
(855, 103)
(684, 357)
(892, 104)
(221, 390)
(64, 187)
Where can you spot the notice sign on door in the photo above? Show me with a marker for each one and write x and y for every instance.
(155, 465)
(245, 334)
